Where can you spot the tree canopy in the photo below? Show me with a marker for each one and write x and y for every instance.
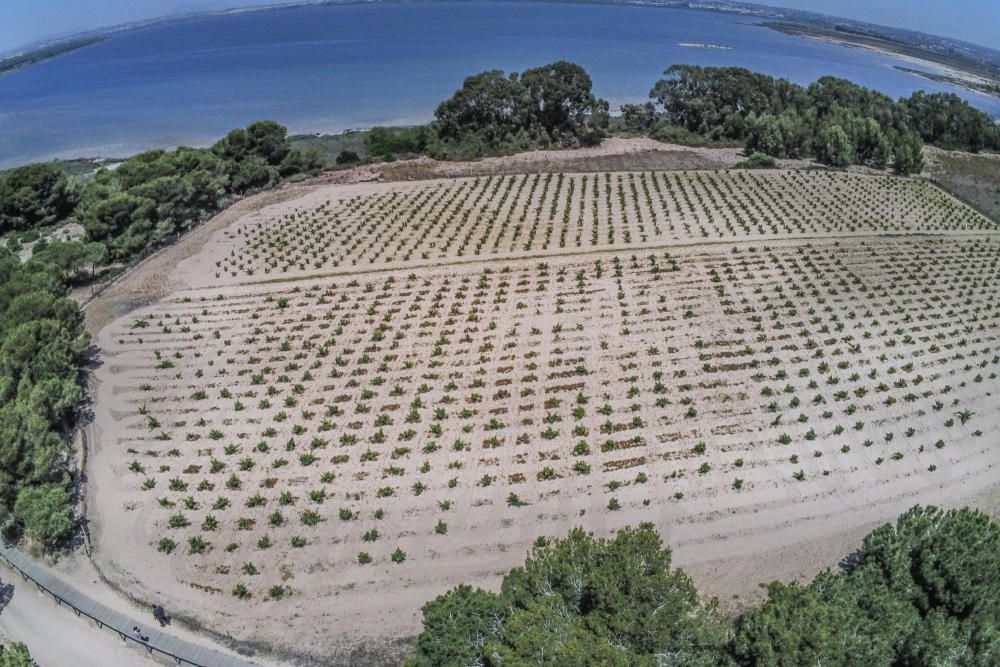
(578, 600)
(552, 105)
(125, 211)
(155, 195)
(922, 591)
(34, 195)
(839, 122)
(42, 341)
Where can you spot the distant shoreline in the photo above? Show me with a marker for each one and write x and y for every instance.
(956, 71)
(790, 21)
(40, 55)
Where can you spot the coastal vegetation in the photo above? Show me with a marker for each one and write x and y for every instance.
(153, 196)
(985, 70)
(35, 195)
(493, 113)
(921, 591)
(832, 119)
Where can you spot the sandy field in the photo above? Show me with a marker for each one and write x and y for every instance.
(332, 403)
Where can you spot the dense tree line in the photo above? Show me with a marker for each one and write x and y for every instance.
(42, 342)
(948, 121)
(155, 195)
(495, 113)
(925, 591)
(35, 195)
(838, 122)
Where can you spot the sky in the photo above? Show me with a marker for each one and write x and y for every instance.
(26, 21)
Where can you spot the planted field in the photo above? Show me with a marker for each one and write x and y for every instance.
(397, 226)
(346, 447)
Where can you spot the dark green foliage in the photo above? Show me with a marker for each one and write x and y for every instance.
(264, 139)
(785, 135)
(493, 113)
(638, 117)
(388, 142)
(41, 347)
(758, 161)
(925, 591)
(35, 195)
(577, 601)
(153, 196)
(717, 101)
(16, 655)
(948, 121)
(457, 625)
(908, 154)
(834, 147)
(73, 258)
(252, 173)
(837, 121)
(45, 511)
(348, 157)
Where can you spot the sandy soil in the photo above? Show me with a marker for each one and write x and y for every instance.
(671, 343)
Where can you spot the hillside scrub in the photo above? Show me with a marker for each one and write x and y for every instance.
(922, 591)
(758, 161)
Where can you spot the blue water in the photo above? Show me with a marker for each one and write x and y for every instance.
(337, 67)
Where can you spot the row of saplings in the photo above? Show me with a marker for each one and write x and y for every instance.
(925, 591)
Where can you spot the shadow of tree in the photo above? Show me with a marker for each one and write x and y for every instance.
(6, 595)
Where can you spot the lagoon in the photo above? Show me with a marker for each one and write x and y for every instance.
(335, 67)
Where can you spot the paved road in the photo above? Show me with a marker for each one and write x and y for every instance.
(59, 635)
(57, 638)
